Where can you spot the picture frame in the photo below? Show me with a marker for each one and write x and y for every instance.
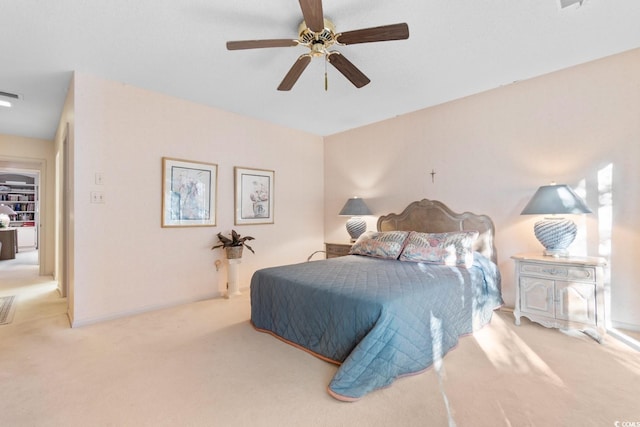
(254, 196)
(189, 193)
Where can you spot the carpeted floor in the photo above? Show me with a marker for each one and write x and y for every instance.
(202, 364)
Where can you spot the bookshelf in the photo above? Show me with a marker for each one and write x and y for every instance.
(22, 197)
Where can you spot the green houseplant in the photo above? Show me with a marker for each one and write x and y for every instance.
(233, 246)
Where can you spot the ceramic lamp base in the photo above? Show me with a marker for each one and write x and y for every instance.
(355, 227)
(555, 234)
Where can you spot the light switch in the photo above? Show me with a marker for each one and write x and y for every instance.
(97, 197)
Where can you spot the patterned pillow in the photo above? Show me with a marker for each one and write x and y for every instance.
(454, 249)
(381, 244)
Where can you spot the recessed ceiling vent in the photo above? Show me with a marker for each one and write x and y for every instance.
(10, 95)
(567, 3)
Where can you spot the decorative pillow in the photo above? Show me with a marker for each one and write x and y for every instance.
(454, 249)
(380, 244)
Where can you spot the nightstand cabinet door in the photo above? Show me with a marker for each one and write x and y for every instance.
(576, 302)
(536, 296)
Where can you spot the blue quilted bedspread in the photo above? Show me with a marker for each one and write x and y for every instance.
(379, 319)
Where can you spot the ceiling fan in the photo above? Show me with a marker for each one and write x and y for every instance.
(319, 35)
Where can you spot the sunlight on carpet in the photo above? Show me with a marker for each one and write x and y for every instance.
(506, 350)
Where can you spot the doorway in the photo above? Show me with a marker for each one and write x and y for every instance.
(20, 202)
(22, 189)
(24, 275)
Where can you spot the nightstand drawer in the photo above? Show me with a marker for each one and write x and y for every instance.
(335, 250)
(584, 274)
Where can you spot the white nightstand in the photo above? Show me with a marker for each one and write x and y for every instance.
(566, 293)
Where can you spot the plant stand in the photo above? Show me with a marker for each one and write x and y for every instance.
(233, 279)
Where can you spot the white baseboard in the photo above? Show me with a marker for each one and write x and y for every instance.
(626, 339)
(93, 320)
(623, 325)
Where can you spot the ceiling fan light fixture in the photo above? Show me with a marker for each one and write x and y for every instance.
(307, 35)
(4, 103)
(318, 37)
(318, 49)
(317, 42)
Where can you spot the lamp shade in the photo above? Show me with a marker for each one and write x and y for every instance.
(4, 209)
(555, 234)
(555, 199)
(355, 207)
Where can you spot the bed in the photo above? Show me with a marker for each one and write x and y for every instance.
(397, 303)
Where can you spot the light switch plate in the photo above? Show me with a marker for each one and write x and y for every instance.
(97, 197)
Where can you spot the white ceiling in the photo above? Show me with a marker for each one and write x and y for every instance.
(456, 48)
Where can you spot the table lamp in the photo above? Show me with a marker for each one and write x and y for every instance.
(355, 208)
(555, 233)
(4, 209)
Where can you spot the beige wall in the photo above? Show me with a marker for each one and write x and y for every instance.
(64, 232)
(36, 154)
(123, 261)
(492, 151)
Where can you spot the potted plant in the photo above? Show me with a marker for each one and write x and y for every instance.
(233, 246)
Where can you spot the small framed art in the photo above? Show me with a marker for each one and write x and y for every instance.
(189, 193)
(253, 196)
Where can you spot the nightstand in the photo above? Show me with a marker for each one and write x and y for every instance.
(334, 250)
(566, 293)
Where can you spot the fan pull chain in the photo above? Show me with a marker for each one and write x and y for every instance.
(326, 78)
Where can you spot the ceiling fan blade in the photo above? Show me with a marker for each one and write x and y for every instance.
(258, 44)
(375, 34)
(350, 71)
(312, 13)
(294, 73)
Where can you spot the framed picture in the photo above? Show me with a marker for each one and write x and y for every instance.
(189, 192)
(254, 196)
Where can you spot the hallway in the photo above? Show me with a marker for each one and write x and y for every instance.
(37, 297)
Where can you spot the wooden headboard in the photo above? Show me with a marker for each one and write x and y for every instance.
(431, 216)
